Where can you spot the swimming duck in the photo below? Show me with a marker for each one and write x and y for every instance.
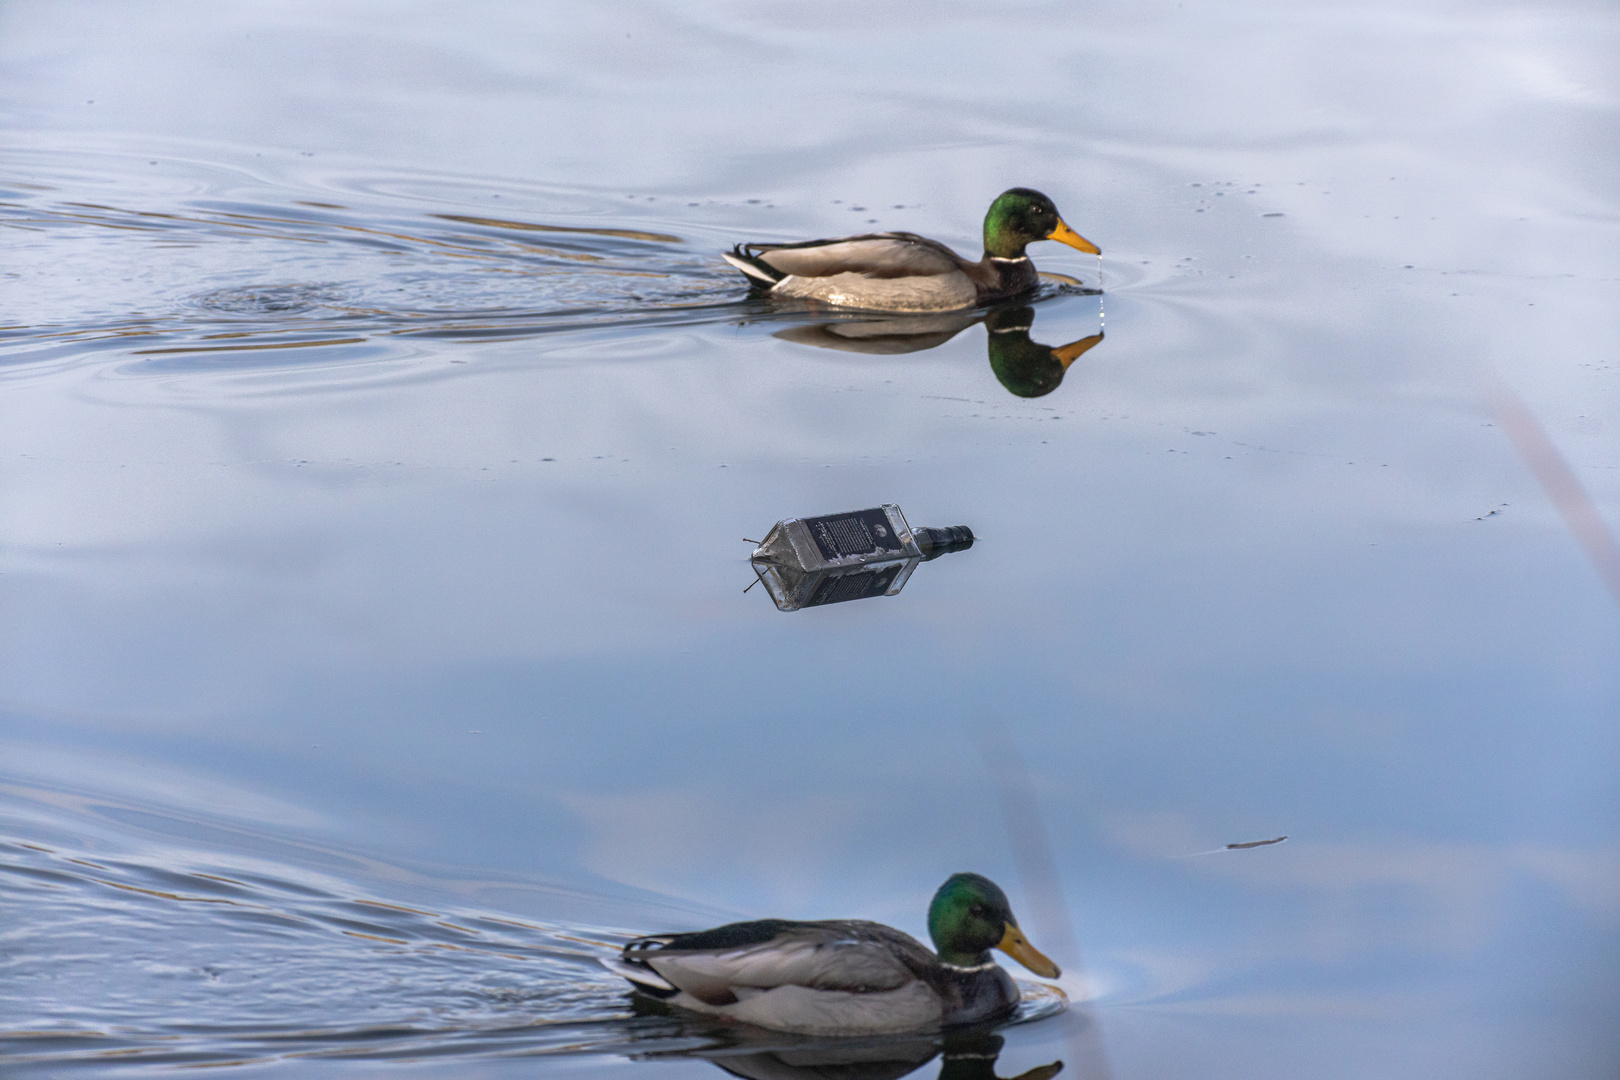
(901, 271)
(844, 977)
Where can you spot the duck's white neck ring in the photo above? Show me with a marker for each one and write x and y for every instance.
(965, 969)
(998, 258)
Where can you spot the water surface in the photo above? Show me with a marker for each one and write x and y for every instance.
(381, 430)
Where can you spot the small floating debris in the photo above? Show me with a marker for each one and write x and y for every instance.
(1244, 846)
(814, 561)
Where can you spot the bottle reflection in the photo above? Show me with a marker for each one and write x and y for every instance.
(1026, 367)
(966, 1055)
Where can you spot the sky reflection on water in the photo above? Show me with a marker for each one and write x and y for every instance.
(448, 613)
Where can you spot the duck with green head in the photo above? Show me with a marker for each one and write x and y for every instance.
(842, 977)
(901, 271)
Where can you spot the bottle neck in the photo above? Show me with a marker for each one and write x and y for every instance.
(936, 542)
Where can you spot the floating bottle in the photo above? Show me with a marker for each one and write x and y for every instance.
(810, 562)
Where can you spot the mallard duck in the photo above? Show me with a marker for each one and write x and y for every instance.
(900, 271)
(842, 977)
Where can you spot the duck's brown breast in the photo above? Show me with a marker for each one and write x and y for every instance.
(998, 279)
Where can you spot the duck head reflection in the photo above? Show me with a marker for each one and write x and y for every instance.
(1026, 367)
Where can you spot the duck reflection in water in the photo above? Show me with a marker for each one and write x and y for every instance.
(966, 1054)
(1024, 366)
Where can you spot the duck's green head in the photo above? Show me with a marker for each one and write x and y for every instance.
(970, 916)
(1021, 216)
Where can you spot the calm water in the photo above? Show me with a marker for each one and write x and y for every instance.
(381, 429)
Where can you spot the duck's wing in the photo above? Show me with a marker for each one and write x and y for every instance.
(858, 957)
(874, 255)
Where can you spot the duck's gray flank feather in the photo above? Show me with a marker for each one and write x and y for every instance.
(830, 955)
(874, 255)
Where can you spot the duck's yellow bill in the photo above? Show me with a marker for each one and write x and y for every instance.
(1014, 945)
(1069, 353)
(1065, 235)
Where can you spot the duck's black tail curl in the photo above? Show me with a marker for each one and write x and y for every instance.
(760, 274)
(629, 965)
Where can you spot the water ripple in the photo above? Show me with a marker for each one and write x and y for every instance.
(161, 276)
(271, 300)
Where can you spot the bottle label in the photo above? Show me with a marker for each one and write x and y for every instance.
(840, 536)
